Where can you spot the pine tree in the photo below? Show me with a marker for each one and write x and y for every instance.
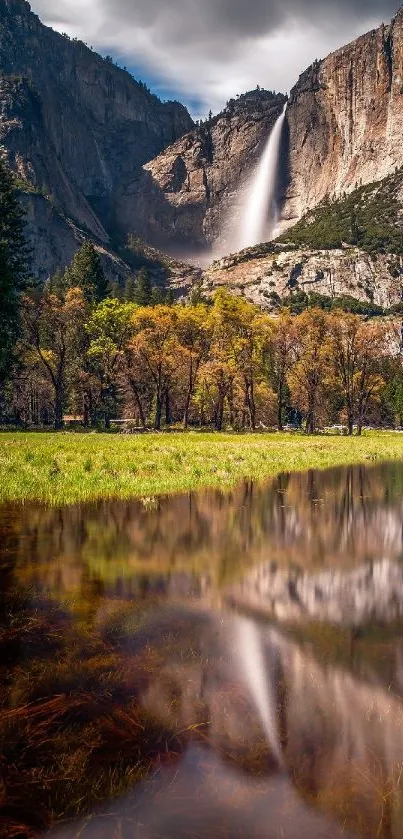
(157, 296)
(57, 285)
(86, 273)
(143, 288)
(13, 265)
(130, 289)
(115, 291)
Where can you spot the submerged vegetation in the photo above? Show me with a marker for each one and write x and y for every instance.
(72, 731)
(68, 468)
(108, 681)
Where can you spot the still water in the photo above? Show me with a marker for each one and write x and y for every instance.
(206, 665)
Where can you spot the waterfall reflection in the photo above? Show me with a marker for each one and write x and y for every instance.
(341, 740)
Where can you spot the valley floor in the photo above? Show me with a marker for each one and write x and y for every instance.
(70, 468)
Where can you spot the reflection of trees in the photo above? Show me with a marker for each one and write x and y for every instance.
(313, 519)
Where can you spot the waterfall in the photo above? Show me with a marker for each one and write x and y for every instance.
(260, 214)
(254, 673)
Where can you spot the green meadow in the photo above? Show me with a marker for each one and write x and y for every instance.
(68, 468)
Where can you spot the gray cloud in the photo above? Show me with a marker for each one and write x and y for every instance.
(255, 17)
(213, 49)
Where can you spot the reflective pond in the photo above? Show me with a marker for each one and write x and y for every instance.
(206, 665)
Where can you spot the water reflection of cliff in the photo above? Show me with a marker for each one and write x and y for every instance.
(341, 518)
(290, 730)
(340, 740)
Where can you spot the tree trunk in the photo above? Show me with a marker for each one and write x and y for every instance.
(280, 426)
(219, 414)
(92, 410)
(202, 405)
(252, 406)
(58, 406)
(310, 422)
(188, 398)
(186, 413)
(137, 400)
(158, 412)
(350, 418)
(168, 418)
(86, 410)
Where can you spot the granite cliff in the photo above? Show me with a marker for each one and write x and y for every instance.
(343, 129)
(96, 154)
(187, 195)
(352, 246)
(76, 128)
(345, 119)
(266, 276)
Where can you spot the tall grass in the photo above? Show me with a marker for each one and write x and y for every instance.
(69, 468)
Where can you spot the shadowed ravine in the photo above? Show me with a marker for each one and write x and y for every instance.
(208, 665)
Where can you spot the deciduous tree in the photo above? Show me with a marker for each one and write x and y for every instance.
(194, 333)
(157, 349)
(307, 377)
(109, 329)
(52, 327)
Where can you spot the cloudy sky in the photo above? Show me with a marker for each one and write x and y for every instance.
(205, 51)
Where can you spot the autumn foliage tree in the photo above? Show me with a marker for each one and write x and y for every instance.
(221, 363)
(357, 349)
(307, 376)
(281, 348)
(155, 345)
(52, 328)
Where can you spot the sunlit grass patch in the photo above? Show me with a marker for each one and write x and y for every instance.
(69, 468)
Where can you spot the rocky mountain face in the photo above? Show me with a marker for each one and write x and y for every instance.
(263, 275)
(190, 193)
(76, 128)
(343, 129)
(345, 120)
(350, 247)
(97, 155)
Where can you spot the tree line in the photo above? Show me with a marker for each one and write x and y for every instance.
(77, 346)
(223, 364)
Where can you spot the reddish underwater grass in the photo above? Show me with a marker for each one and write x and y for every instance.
(72, 734)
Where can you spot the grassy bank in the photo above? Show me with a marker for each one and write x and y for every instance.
(68, 468)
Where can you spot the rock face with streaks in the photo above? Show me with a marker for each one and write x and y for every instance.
(76, 128)
(108, 158)
(190, 192)
(372, 592)
(345, 119)
(343, 129)
(263, 277)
